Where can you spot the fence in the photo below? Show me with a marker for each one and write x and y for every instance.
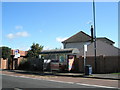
(105, 64)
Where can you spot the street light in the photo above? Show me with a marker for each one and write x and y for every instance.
(94, 35)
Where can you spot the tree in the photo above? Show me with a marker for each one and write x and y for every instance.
(58, 48)
(34, 51)
(5, 52)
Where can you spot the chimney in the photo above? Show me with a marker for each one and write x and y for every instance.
(92, 37)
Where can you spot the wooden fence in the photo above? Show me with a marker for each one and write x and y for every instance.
(105, 64)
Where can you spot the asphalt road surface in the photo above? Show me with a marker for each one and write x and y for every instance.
(21, 82)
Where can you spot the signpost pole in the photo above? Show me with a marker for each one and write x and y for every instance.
(85, 52)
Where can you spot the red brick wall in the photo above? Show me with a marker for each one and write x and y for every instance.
(3, 63)
(22, 53)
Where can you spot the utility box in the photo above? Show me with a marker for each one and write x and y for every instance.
(88, 70)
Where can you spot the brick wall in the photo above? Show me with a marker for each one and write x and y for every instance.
(22, 53)
(3, 63)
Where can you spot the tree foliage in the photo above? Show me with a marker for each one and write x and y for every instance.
(58, 48)
(34, 51)
(5, 52)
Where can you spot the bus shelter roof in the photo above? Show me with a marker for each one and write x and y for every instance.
(56, 51)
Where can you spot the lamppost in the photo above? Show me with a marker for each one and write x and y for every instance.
(94, 35)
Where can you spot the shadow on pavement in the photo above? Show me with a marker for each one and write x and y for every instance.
(45, 73)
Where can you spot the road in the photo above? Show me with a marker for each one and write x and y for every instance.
(22, 82)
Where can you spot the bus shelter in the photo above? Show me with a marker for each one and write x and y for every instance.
(59, 59)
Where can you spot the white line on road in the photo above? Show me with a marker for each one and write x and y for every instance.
(95, 85)
(62, 81)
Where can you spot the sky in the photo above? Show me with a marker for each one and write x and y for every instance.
(49, 23)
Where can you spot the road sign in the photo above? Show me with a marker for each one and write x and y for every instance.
(17, 55)
(85, 48)
(85, 52)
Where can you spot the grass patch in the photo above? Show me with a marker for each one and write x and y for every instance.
(115, 73)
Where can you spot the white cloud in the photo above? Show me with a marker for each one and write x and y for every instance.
(60, 39)
(18, 34)
(10, 36)
(90, 22)
(22, 34)
(18, 27)
(24, 48)
(47, 48)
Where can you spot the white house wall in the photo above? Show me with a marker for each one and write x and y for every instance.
(79, 46)
(75, 45)
(102, 49)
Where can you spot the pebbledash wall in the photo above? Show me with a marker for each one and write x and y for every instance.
(14, 62)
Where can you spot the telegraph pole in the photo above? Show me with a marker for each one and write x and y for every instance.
(94, 36)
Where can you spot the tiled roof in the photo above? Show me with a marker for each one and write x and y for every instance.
(104, 38)
(79, 37)
(83, 37)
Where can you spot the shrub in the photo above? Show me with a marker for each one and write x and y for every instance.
(24, 64)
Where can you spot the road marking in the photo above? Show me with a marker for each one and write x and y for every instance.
(95, 85)
(62, 81)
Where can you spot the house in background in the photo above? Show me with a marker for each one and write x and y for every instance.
(107, 56)
(104, 46)
(106, 59)
(16, 57)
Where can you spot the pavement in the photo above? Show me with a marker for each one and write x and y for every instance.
(105, 76)
(95, 76)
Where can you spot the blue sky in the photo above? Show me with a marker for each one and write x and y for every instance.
(48, 23)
